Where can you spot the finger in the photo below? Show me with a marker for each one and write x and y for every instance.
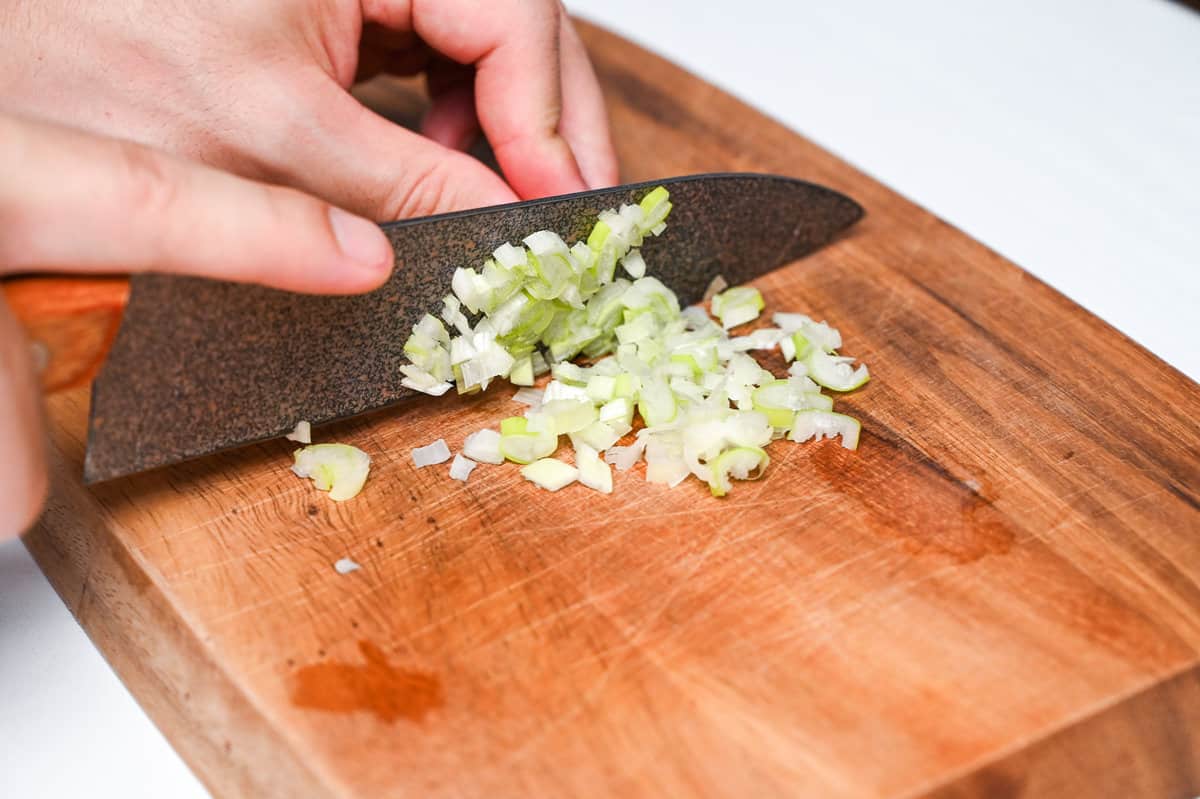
(23, 489)
(584, 118)
(379, 169)
(76, 202)
(514, 45)
(451, 120)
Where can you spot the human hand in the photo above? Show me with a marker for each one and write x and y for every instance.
(259, 87)
(70, 201)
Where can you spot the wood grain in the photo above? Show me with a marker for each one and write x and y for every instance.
(997, 595)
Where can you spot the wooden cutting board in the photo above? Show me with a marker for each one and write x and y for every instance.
(998, 594)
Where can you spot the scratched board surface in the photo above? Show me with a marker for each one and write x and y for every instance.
(999, 593)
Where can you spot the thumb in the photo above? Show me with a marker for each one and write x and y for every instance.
(70, 201)
(356, 158)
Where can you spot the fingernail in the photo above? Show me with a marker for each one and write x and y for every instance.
(360, 240)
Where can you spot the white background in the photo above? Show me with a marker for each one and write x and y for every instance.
(1064, 134)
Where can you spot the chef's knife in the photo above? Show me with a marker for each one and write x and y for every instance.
(199, 366)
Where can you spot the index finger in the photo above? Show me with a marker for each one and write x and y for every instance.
(135, 209)
(514, 45)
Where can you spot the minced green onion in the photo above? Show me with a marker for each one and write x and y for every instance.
(707, 406)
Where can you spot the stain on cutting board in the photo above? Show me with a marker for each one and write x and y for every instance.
(377, 687)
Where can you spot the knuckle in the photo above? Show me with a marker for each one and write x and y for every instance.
(420, 193)
(149, 183)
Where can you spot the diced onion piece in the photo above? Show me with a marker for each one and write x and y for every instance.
(528, 396)
(593, 472)
(715, 287)
(556, 390)
(834, 374)
(460, 468)
(345, 566)
(625, 457)
(657, 404)
(419, 380)
(795, 346)
(569, 416)
(431, 454)
(633, 264)
(737, 306)
(483, 446)
(527, 447)
(550, 474)
(339, 469)
(739, 463)
(302, 433)
(778, 400)
(665, 463)
(766, 338)
(618, 409)
(600, 387)
(818, 333)
(521, 373)
(599, 435)
(823, 424)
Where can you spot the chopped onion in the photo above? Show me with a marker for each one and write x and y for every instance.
(593, 472)
(740, 463)
(302, 433)
(715, 287)
(625, 457)
(345, 566)
(835, 374)
(550, 474)
(461, 468)
(737, 306)
(419, 380)
(521, 445)
(529, 396)
(483, 446)
(339, 469)
(823, 424)
(708, 407)
(766, 338)
(437, 452)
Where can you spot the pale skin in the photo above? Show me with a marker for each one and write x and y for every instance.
(140, 121)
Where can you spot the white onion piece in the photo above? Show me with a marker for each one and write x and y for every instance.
(529, 396)
(345, 566)
(302, 433)
(420, 380)
(461, 468)
(823, 424)
(625, 457)
(550, 474)
(431, 454)
(715, 287)
(339, 469)
(483, 446)
(593, 472)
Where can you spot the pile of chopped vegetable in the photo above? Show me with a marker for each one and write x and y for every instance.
(707, 408)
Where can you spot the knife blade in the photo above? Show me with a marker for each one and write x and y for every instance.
(200, 366)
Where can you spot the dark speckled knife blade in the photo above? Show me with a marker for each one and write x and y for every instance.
(200, 366)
